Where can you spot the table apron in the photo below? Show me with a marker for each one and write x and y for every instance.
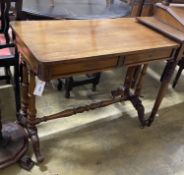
(65, 69)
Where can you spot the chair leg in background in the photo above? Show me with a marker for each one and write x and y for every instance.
(96, 80)
(68, 86)
(7, 74)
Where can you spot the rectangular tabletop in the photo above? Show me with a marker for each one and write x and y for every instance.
(48, 45)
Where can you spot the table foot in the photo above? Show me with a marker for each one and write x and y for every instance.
(35, 143)
(137, 103)
(13, 145)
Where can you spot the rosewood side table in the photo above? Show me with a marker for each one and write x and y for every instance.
(52, 49)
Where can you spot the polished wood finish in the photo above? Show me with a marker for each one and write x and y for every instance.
(38, 41)
(53, 49)
(148, 56)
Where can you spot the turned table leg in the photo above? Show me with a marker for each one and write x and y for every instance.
(136, 76)
(164, 85)
(129, 78)
(32, 130)
(138, 87)
(166, 77)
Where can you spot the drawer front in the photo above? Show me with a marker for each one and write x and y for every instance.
(83, 66)
(148, 56)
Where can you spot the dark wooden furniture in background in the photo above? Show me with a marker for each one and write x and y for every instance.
(148, 6)
(168, 20)
(181, 62)
(176, 4)
(13, 138)
(95, 51)
(11, 56)
(148, 10)
(172, 15)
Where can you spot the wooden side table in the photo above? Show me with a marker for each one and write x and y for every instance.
(103, 45)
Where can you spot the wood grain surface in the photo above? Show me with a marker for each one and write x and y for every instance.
(53, 41)
(61, 48)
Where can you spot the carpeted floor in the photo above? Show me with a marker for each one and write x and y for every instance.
(107, 141)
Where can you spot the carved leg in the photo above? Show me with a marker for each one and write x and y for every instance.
(164, 85)
(32, 130)
(136, 102)
(140, 81)
(136, 76)
(24, 95)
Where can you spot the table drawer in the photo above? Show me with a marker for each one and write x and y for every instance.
(84, 66)
(148, 56)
